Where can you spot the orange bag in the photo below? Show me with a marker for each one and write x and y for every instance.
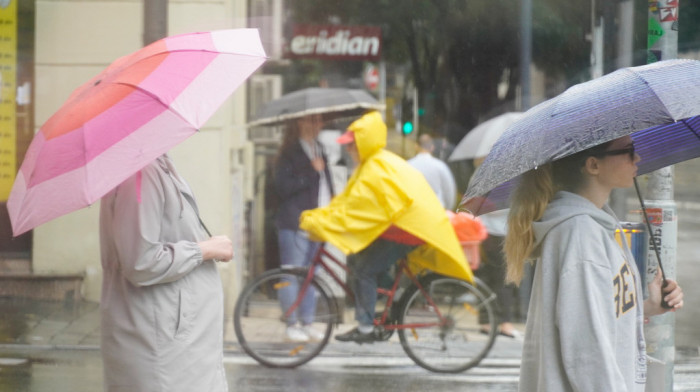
(470, 233)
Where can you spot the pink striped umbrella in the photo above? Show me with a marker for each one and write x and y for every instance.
(138, 108)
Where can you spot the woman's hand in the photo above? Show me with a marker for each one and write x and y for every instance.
(671, 293)
(218, 247)
(318, 164)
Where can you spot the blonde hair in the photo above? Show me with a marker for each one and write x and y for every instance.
(528, 202)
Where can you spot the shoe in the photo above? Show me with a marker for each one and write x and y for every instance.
(296, 334)
(354, 335)
(515, 334)
(313, 334)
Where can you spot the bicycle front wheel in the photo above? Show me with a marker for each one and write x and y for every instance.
(260, 322)
(445, 335)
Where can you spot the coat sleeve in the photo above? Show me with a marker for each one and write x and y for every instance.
(365, 209)
(585, 316)
(138, 226)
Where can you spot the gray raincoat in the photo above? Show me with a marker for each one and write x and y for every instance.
(162, 305)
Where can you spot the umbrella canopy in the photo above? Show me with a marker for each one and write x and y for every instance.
(658, 104)
(141, 106)
(478, 142)
(332, 103)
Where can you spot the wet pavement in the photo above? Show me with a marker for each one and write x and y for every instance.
(53, 346)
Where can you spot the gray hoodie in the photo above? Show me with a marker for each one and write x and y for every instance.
(585, 322)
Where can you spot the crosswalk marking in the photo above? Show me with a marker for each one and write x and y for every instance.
(489, 371)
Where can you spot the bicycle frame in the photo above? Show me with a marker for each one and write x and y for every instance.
(319, 260)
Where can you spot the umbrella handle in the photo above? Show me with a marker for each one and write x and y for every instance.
(664, 304)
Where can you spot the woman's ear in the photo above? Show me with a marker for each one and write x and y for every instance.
(591, 166)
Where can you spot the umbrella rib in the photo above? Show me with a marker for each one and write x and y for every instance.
(327, 109)
(692, 130)
(638, 76)
(155, 98)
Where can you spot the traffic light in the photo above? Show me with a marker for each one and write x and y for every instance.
(407, 125)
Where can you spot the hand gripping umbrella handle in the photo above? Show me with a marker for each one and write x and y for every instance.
(664, 304)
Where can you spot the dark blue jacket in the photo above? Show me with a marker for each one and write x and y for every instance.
(296, 185)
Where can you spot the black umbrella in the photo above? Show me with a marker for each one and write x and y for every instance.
(331, 103)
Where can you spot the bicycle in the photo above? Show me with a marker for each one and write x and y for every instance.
(436, 317)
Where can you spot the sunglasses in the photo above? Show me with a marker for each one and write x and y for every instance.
(627, 150)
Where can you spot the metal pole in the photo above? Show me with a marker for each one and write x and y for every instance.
(625, 50)
(416, 130)
(382, 86)
(525, 52)
(597, 52)
(155, 20)
(625, 36)
(662, 41)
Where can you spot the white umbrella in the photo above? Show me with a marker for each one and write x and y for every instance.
(478, 142)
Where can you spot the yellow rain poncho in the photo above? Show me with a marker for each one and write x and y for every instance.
(386, 190)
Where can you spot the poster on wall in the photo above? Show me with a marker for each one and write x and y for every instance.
(8, 82)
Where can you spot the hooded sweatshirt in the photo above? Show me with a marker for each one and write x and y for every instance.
(585, 322)
(384, 190)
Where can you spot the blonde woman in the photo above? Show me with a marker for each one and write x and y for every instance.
(585, 323)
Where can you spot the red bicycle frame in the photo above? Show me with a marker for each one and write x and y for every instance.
(319, 260)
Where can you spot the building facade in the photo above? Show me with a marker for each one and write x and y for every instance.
(60, 44)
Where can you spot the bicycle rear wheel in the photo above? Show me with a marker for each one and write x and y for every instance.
(260, 323)
(446, 337)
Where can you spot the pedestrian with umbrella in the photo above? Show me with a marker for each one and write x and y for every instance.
(585, 322)
(302, 182)
(162, 297)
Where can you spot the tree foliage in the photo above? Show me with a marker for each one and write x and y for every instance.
(458, 52)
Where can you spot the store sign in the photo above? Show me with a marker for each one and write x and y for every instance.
(8, 87)
(335, 42)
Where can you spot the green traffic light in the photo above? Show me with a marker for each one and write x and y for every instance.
(407, 127)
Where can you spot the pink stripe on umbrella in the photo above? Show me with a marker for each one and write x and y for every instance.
(201, 40)
(126, 157)
(100, 133)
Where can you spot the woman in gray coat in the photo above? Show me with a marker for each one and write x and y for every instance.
(162, 298)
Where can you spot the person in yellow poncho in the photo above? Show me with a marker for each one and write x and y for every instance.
(387, 211)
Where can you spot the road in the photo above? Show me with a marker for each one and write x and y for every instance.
(35, 370)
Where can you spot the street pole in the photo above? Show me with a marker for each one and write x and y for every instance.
(382, 86)
(597, 29)
(662, 43)
(525, 52)
(155, 20)
(416, 129)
